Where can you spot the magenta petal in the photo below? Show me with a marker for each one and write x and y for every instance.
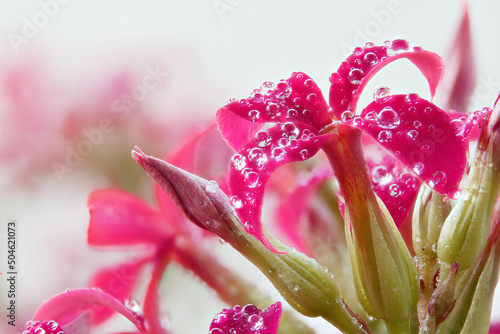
(494, 328)
(119, 218)
(421, 136)
(252, 167)
(397, 188)
(354, 73)
(247, 320)
(67, 306)
(45, 327)
(297, 99)
(117, 281)
(294, 206)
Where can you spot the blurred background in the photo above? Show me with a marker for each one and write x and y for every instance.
(82, 82)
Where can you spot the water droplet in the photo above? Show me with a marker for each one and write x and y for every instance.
(384, 136)
(283, 90)
(292, 113)
(255, 322)
(312, 98)
(413, 134)
(309, 83)
(132, 305)
(307, 113)
(358, 50)
(417, 124)
(356, 75)
(268, 85)
(382, 95)
(345, 103)
(272, 110)
(263, 138)
(347, 116)
(283, 142)
(412, 98)
(253, 115)
(212, 187)
(231, 100)
(304, 154)
(215, 331)
(369, 45)
(428, 110)
(370, 59)
(418, 168)
(439, 178)
(380, 175)
(294, 143)
(394, 190)
(236, 202)
(290, 130)
(252, 179)
(387, 118)
(257, 156)
(278, 153)
(297, 102)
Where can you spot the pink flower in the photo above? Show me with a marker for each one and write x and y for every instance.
(419, 134)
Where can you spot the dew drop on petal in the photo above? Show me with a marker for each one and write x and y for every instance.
(297, 102)
(412, 98)
(370, 59)
(356, 75)
(253, 115)
(239, 161)
(292, 113)
(387, 118)
(283, 142)
(384, 136)
(252, 179)
(263, 138)
(382, 95)
(307, 113)
(290, 130)
(283, 90)
(418, 168)
(294, 143)
(309, 83)
(236, 202)
(304, 154)
(413, 134)
(272, 110)
(231, 100)
(438, 178)
(380, 175)
(417, 124)
(394, 190)
(312, 98)
(278, 153)
(347, 116)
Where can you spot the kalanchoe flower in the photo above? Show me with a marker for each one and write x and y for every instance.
(247, 320)
(418, 133)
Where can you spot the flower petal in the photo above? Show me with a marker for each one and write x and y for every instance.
(45, 327)
(117, 281)
(297, 99)
(252, 167)
(119, 218)
(247, 320)
(421, 136)
(354, 73)
(396, 187)
(70, 304)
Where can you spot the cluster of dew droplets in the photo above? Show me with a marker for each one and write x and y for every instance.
(244, 320)
(45, 327)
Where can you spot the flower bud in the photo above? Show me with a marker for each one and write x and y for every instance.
(465, 231)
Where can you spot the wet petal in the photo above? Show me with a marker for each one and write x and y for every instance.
(297, 99)
(354, 73)
(68, 305)
(118, 281)
(252, 167)
(45, 327)
(395, 186)
(421, 136)
(119, 218)
(247, 320)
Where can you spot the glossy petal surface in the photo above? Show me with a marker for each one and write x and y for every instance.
(68, 305)
(354, 73)
(119, 218)
(297, 99)
(252, 167)
(421, 136)
(247, 320)
(397, 188)
(44, 327)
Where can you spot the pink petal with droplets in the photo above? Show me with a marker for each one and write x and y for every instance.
(294, 206)
(247, 320)
(421, 136)
(44, 327)
(67, 306)
(397, 188)
(117, 281)
(119, 218)
(297, 99)
(252, 167)
(354, 73)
